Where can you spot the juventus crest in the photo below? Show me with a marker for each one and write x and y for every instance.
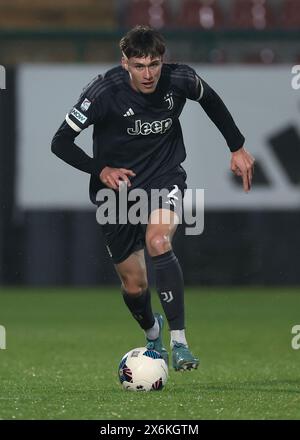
(168, 98)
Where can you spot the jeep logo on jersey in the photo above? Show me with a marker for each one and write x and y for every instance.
(78, 115)
(146, 128)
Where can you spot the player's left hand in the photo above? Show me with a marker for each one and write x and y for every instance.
(242, 164)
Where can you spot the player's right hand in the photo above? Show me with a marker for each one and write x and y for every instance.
(113, 177)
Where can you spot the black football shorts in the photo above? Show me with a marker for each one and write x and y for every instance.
(123, 239)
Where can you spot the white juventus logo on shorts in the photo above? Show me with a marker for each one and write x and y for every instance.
(171, 196)
(169, 99)
(167, 296)
(129, 112)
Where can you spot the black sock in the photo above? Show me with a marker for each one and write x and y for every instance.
(170, 287)
(140, 308)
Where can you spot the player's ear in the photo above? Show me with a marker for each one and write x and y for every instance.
(124, 62)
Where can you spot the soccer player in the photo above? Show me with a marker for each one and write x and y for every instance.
(137, 139)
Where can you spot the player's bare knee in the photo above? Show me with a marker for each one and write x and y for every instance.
(158, 244)
(134, 285)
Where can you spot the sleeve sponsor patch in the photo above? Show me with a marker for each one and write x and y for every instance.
(85, 105)
(78, 115)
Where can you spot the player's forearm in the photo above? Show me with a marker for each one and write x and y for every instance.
(63, 146)
(217, 111)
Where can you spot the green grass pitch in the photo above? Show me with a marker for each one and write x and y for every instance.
(64, 347)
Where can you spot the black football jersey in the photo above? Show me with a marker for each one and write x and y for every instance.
(134, 130)
(139, 131)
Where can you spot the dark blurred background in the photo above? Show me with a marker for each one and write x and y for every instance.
(214, 31)
(254, 241)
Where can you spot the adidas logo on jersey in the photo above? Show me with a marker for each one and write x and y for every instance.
(146, 128)
(129, 112)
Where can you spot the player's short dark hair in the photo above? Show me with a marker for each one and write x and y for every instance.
(143, 41)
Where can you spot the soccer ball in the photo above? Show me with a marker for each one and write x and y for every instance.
(142, 369)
